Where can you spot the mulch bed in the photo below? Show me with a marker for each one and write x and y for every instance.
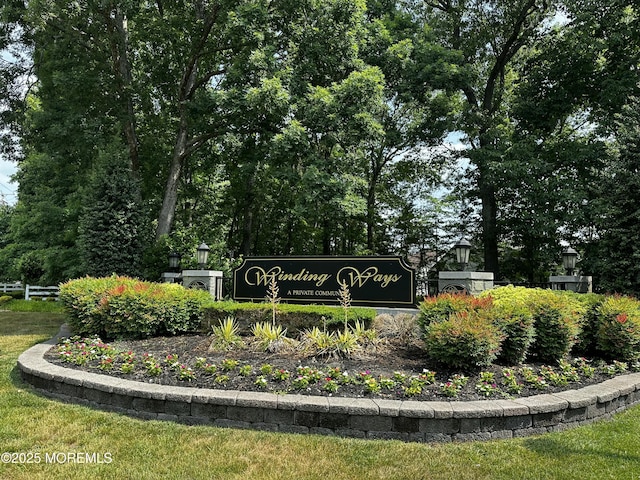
(383, 360)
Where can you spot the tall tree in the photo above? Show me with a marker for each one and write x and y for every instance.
(614, 256)
(570, 87)
(488, 36)
(111, 225)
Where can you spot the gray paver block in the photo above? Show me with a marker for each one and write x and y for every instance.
(223, 397)
(246, 414)
(289, 402)
(353, 406)
(477, 409)
(577, 398)
(371, 422)
(414, 409)
(388, 408)
(543, 403)
(313, 404)
(442, 409)
(257, 399)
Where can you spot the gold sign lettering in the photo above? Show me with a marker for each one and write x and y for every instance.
(260, 276)
(352, 277)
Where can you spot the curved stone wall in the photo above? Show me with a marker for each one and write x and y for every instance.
(351, 417)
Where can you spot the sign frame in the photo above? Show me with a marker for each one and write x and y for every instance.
(375, 281)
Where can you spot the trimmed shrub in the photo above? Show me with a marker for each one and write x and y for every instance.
(618, 335)
(558, 322)
(121, 307)
(82, 299)
(586, 344)
(517, 326)
(557, 318)
(509, 295)
(5, 299)
(440, 308)
(295, 318)
(467, 340)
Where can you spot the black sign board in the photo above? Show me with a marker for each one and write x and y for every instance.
(372, 281)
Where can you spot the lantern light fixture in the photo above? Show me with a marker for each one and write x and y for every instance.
(174, 261)
(463, 250)
(569, 258)
(202, 255)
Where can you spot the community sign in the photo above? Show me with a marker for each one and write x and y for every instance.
(371, 280)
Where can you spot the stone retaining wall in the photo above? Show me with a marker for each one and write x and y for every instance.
(350, 417)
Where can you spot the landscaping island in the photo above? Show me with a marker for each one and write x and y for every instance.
(372, 418)
(512, 362)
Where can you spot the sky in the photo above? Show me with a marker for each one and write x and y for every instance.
(7, 189)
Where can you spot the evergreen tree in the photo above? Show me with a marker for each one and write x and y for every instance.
(111, 236)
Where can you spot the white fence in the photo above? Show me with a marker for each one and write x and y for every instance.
(31, 291)
(10, 287)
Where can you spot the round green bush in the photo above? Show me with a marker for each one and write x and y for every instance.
(558, 322)
(440, 308)
(586, 344)
(557, 318)
(517, 326)
(618, 335)
(466, 340)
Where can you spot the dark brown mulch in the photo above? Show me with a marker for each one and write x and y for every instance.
(382, 360)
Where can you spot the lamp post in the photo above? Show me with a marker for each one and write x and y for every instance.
(202, 254)
(463, 249)
(463, 281)
(569, 257)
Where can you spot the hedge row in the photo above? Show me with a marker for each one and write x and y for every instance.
(295, 318)
(514, 324)
(122, 307)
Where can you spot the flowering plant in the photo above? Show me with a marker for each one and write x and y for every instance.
(449, 389)
(127, 367)
(228, 364)
(281, 375)
(371, 385)
(330, 385)
(185, 373)
(510, 381)
(261, 382)
(172, 361)
(532, 379)
(300, 382)
(106, 363)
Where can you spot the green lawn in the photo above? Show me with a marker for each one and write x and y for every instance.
(40, 428)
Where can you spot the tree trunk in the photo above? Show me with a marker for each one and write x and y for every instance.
(371, 207)
(181, 150)
(167, 213)
(247, 224)
(326, 237)
(489, 223)
(122, 70)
